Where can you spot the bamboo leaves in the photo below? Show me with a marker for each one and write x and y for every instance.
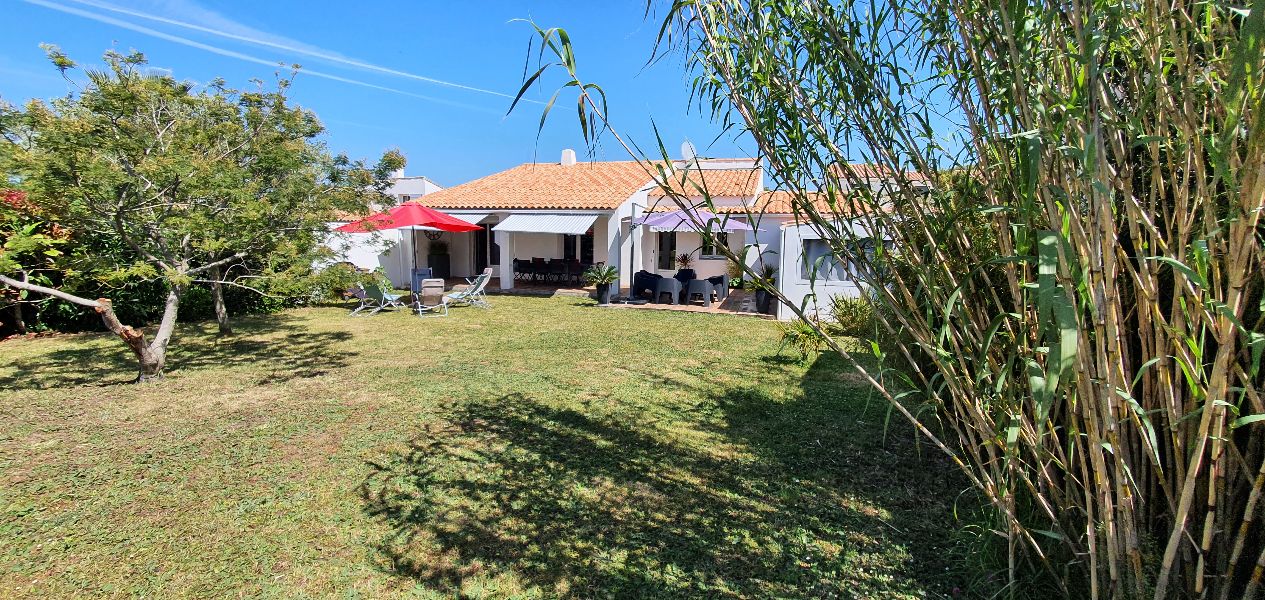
(1078, 290)
(1057, 324)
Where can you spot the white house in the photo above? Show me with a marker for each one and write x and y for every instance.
(813, 276)
(387, 249)
(410, 187)
(584, 212)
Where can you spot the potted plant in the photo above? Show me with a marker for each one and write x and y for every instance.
(766, 281)
(604, 278)
(735, 274)
(683, 263)
(437, 259)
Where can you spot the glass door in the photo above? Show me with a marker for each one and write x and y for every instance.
(667, 250)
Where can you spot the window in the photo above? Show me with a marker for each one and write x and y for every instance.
(821, 263)
(405, 197)
(578, 247)
(709, 249)
(667, 250)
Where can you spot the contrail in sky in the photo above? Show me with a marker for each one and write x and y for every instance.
(313, 52)
(239, 55)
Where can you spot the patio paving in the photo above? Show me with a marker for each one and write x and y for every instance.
(739, 302)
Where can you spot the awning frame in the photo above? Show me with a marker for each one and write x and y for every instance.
(555, 223)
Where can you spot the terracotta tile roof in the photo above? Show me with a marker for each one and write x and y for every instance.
(872, 171)
(582, 186)
(769, 202)
(741, 183)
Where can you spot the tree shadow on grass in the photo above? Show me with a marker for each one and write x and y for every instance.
(524, 498)
(280, 344)
(838, 432)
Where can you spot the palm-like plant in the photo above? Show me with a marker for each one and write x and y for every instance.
(601, 274)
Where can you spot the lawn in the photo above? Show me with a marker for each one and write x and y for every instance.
(543, 448)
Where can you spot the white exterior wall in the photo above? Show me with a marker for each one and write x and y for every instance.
(764, 245)
(412, 187)
(813, 295)
(371, 251)
(625, 246)
(366, 250)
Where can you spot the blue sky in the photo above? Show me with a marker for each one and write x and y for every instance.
(411, 66)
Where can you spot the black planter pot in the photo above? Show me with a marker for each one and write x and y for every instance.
(762, 301)
(439, 265)
(604, 293)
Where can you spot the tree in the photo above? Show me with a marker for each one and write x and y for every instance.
(178, 184)
(27, 239)
(1078, 298)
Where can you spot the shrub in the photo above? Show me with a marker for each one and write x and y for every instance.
(802, 337)
(852, 317)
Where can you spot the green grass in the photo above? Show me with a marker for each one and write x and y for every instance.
(544, 448)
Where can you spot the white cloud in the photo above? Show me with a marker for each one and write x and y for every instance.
(240, 56)
(196, 18)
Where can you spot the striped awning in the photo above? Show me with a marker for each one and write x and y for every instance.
(547, 223)
(469, 217)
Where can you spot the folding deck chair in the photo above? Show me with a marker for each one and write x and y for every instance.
(474, 294)
(430, 299)
(374, 297)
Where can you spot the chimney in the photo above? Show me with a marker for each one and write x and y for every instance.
(397, 174)
(568, 157)
(688, 153)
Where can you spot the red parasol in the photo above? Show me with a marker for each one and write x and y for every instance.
(408, 214)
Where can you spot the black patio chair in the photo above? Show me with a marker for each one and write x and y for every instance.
(667, 285)
(539, 268)
(700, 287)
(557, 270)
(644, 283)
(721, 283)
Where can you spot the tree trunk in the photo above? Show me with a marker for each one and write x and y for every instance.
(151, 356)
(150, 360)
(217, 294)
(19, 325)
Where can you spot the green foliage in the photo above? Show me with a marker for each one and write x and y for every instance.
(765, 278)
(601, 274)
(852, 317)
(735, 271)
(804, 338)
(154, 180)
(330, 283)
